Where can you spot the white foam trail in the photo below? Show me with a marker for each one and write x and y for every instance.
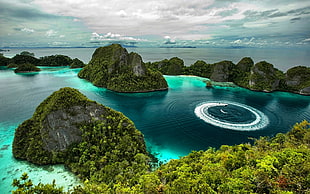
(261, 120)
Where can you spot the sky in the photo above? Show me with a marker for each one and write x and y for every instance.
(155, 23)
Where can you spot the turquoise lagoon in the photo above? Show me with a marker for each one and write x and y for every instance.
(168, 120)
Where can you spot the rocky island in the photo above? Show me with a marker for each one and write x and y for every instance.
(114, 68)
(261, 76)
(91, 139)
(26, 68)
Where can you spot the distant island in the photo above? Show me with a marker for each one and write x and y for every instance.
(27, 68)
(26, 57)
(261, 76)
(114, 68)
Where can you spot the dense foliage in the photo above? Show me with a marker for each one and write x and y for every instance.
(173, 66)
(4, 61)
(26, 57)
(23, 59)
(280, 164)
(27, 67)
(55, 60)
(261, 76)
(25, 185)
(77, 63)
(113, 68)
(297, 78)
(111, 150)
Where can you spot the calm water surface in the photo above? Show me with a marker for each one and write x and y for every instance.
(282, 59)
(167, 119)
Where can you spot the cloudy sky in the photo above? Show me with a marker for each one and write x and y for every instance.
(201, 23)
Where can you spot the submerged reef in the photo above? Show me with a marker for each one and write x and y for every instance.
(114, 68)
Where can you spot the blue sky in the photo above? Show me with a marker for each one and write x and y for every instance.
(201, 23)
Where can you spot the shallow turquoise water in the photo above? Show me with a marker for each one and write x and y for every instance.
(167, 119)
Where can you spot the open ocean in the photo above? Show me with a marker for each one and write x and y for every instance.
(187, 117)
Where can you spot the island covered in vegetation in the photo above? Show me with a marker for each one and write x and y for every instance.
(26, 57)
(261, 76)
(26, 68)
(95, 142)
(114, 68)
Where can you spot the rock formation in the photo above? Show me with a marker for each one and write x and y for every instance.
(222, 71)
(113, 68)
(59, 125)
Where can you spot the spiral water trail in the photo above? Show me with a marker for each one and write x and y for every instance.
(260, 121)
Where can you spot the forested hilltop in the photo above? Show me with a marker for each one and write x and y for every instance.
(261, 76)
(28, 58)
(95, 142)
(114, 68)
(272, 165)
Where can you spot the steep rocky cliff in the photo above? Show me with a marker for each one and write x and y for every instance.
(222, 71)
(264, 77)
(298, 80)
(114, 68)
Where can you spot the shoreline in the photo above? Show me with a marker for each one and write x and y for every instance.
(146, 91)
(232, 84)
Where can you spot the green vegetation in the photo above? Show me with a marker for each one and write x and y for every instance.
(4, 61)
(55, 60)
(25, 185)
(199, 68)
(280, 164)
(297, 78)
(259, 77)
(27, 57)
(113, 68)
(173, 66)
(77, 63)
(27, 67)
(27, 53)
(111, 149)
(23, 59)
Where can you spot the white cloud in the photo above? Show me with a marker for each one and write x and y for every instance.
(237, 41)
(28, 30)
(113, 37)
(134, 20)
(51, 33)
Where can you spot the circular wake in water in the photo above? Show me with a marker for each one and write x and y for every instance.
(231, 115)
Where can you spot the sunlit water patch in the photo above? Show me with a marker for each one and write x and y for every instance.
(231, 115)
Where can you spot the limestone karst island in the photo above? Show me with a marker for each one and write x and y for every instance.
(114, 68)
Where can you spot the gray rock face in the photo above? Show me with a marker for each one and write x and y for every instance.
(135, 61)
(305, 91)
(60, 128)
(245, 64)
(221, 71)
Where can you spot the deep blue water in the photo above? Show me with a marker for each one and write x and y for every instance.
(167, 119)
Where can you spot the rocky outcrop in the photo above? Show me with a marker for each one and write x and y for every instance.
(264, 77)
(61, 127)
(26, 68)
(245, 64)
(114, 68)
(222, 71)
(297, 79)
(59, 124)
